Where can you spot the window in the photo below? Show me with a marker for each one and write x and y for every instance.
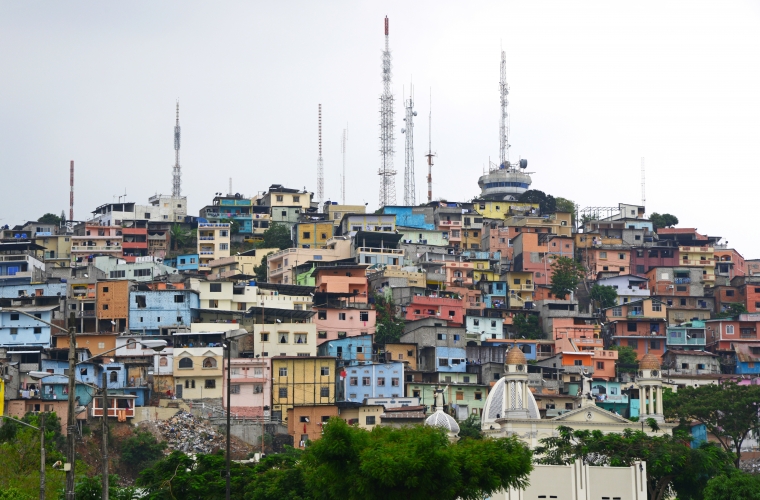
(617, 311)
(213, 304)
(366, 381)
(475, 322)
(632, 327)
(654, 344)
(105, 307)
(189, 384)
(324, 371)
(381, 381)
(131, 344)
(210, 383)
(299, 338)
(640, 269)
(265, 337)
(730, 329)
(139, 300)
(209, 363)
(142, 272)
(634, 343)
(729, 293)
(578, 362)
(258, 388)
(283, 338)
(342, 316)
(185, 363)
(117, 274)
(364, 316)
(683, 302)
(441, 336)
(321, 314)
(395, 382)
(443, 361)
(179, 298)
(215, 287)
(600, 365)
(37, 329)
(306, 235)
(324, 392)
(369, 420)
(657, 307)
(235, 389)
(283, 371)
(621, 256)
(602, 255)
(353, 381)
(283, 392)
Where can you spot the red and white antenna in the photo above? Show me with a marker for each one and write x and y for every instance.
(71, 191)
(320, 165)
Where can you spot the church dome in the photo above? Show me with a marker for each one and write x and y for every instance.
(649, 362)
(441, 419)
(515, 357)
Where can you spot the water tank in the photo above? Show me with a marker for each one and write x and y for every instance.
(252, 283)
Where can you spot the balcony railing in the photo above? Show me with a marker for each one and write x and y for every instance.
(686, 341)
(103, 248)
(114, 412)
(205, 237)
(393, 251)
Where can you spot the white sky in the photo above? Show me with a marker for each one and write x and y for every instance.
(594, 87)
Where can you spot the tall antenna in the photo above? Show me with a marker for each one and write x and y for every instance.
(343, 177)
(409, 189)
(71, 191)
(229, 193)
(177, 173)
(643, 184)
(504, 127)
(430, 154)
(386, 171)
(320, 164)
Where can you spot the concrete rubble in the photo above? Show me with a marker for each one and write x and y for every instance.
(184, 432)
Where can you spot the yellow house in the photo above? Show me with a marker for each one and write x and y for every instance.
(313, 234)
(335, 213)
(213, 243)
(703, 257)
(559, 223)
(244, 263)
(481, 270)
(299, 381)
(57, 249)
(520, 288)
(198, 372)
(365, 416)
(502, 209)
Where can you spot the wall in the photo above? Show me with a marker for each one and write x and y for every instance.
(198, 373)
(302, 382)
(163, 309)
(374, 381)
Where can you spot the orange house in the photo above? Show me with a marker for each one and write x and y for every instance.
(640, 325)
(535, 252)
(350, 280)
(573, 335)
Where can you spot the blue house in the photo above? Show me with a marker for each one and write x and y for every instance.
(373, 381)
(187, 262)
(349, 350)
(56, 386)
(412, 216)
(609, 395)
(19, 330)
(443, 359)
(485, 328)
(494, 293)
(157, 312)
(747, 358)
(28, 290)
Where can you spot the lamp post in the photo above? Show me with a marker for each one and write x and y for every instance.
(41, 428)
(227, 344)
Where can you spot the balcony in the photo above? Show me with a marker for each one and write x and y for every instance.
(206, 252)
(392, 251)
(113, 412)
(450, 223)
(698, 341)
(205, 238)
(696, 249)
(522, 288)
(95, 249)
(698, 262)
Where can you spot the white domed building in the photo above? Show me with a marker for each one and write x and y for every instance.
(441, 419)
(511, 409)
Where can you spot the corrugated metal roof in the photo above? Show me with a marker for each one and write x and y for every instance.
(744, 353)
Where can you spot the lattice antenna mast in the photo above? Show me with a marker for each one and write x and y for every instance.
(409, 188)
(430, 154)
(343, 177)
(386, 171)
(320, 164)
(504, 126)
(71, 191)
(177, 172)
(643, 184)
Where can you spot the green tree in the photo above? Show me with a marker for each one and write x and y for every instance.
(733, 310)
(388, 326)
(91, 488)
(141, 450)
(627, 361)
(546, 203)
(182, 238)
(470, 428)
(410, 463)
(234, 225)
(736, 486)
(729, 411)
(605, 296)
(566, 275)
(672, 465)
(664, 220)
(565, 205)
(279, 477)
(276, 236)
(261, 270)
(50, 219)
(526, 326)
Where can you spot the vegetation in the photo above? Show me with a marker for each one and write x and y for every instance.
(351, 463)
(182, 238)
(234, 225)
(729, 411)
(733, 310)
(470, 428)
(673, 467)
(566, 275)
(664, 220)
(526, 326)
(627, 361)
(276, 236)
(388, 326)
(565, 205)
(52, 219)
(735, 486)
(605, 296)
(546, 202)
(261, 270)
(141, 450)
(91, 488)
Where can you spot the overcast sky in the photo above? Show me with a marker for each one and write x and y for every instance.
(594, 86)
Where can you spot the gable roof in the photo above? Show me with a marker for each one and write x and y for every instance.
(601, 413)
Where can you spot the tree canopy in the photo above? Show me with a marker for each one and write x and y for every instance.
(729, 411)
(276, 236)
(605, 296)
(672, 465)
(52, 219)
(627, 361)
(566, 275)
(388, 326)
(735, 486)
(526, 326)
(732, 311)
(261, 270)
(664, 220)
(546, 202)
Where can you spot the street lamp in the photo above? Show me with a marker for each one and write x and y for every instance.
(41, 428)
(156, 345)
(227, 344)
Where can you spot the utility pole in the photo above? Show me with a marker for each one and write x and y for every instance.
(104, 428)
(430, 154)
(42, 455)
(71, 428)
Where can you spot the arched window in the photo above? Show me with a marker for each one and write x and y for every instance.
(113, 377)
(163, 361)
(209, 363)
(186, 363)
(730, 329)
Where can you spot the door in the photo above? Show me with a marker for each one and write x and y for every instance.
(178, 392)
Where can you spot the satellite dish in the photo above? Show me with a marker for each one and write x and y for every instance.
(414, 113)
(403, 130)
(523, 163)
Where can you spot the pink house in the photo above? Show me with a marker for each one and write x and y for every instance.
(345, 280)
(444, 308)
(337, 320)
(251, 386)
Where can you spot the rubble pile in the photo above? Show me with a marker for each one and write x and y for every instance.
(186, 433)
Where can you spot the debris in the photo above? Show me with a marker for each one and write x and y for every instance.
(184, 432)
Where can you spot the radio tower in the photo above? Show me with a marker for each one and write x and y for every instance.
(177, 173)
(320, 164)
(504, 128)
(409, 189)
(386, 171)
(430, 154)
(71, 191)
(643, 185)
(343, 142)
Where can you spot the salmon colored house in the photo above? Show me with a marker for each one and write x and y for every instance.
(535, 252)
(640, 325)
(573, 335)
(444, 308)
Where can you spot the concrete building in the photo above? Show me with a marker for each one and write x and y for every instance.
(374, 380)
(91, 239)
(305, 422)
(232, 207)
(243, 263)
(628, 287)
(250, 387)
(534, 253)
(312, 234)
(334, 212)
(640, 325)
(302, 381)
(352, 223)
(213, 243)
(281, 264)
(162, 312)
(198, 365)
(21, 262)
(141, 269)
